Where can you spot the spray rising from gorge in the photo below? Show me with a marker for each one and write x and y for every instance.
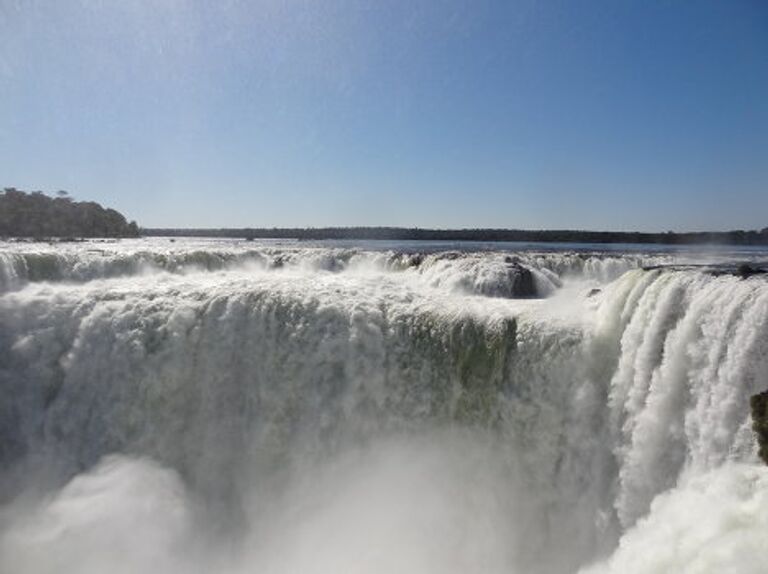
(211, 406)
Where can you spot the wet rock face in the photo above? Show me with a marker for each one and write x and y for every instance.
(522, 281)
(759, 405)
(513, 282)
(747, 270)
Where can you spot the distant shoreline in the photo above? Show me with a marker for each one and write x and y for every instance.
(737, 237)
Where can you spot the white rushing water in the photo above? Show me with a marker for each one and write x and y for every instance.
(209, 406)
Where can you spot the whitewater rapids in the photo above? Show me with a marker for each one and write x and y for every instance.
(274, 407)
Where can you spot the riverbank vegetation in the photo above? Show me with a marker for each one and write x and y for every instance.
(737, 237)
(40, 216)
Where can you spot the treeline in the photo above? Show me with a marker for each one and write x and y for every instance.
(39, 216)
(398, 233)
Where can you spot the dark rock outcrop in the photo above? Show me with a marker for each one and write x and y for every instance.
(759, 406)
(521, 279)
(746, 270)
(516, 282)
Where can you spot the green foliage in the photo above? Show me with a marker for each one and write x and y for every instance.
(759, 405)
(37, 215)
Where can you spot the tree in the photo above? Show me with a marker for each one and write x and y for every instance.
(37, 215)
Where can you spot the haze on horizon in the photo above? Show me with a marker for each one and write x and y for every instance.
(595, 115)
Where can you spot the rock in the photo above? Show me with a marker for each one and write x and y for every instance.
(745, 270)
(415, 259)
(593, 292)
(759, 406)
(278, 262)
(513, 281)
(521, 281)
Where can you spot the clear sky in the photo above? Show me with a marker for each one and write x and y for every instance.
(615, 114)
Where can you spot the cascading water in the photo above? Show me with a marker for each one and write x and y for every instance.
(286, 408)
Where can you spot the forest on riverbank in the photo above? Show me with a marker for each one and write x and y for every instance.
(736, 237)
(40, 216)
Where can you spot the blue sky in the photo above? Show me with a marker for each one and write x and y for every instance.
(646, 115)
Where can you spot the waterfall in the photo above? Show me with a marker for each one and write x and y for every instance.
(289, 408)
